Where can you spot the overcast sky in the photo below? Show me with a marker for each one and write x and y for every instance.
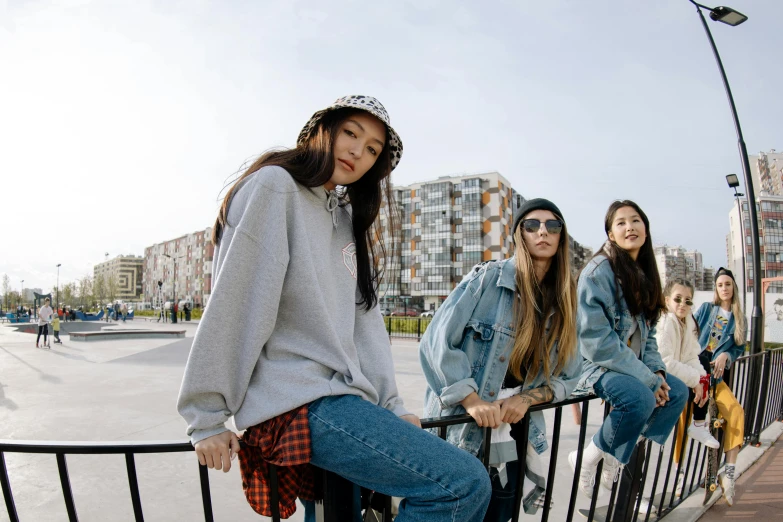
(120, 121)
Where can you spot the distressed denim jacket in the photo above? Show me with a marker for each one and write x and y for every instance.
(705, 318)
(467, 348)
(603, 327)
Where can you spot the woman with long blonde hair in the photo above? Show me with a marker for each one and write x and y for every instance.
(722, 340)
(503, 341)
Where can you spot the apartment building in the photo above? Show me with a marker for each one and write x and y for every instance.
(446, 226)
(676, 262)
(184, 267)
(769, 209)
(119, 278)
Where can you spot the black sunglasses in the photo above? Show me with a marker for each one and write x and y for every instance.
(679, 300)
(553, 226)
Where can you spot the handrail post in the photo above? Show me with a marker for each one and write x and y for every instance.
(338, 498)
(630, 483)
(761, 407)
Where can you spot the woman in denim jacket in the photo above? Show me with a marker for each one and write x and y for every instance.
(505, 340)
(722, 340)
(619, 301)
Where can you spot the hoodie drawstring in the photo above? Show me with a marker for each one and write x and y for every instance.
(332, 202)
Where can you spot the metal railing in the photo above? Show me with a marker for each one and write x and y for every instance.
(757, 381)
(406, 327)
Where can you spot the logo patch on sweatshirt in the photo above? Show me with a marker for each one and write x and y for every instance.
(349, 258)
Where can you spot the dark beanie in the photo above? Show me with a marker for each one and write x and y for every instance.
(724, 271)
(531, 205)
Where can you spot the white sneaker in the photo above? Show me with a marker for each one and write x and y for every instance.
(610, 471)
(586, 476)
(644, 505)
(680, 484)
(702, 434)
(727, 485)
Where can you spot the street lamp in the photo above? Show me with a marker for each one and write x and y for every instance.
(21, 294)
(733, 182)
(58, 286)
(731, 17)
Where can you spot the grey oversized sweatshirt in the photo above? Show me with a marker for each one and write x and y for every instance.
(282, 327)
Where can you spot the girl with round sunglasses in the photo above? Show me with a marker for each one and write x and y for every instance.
(619, 303)
(310, 376)
(678, 342)
(503, 341)
(722, 340)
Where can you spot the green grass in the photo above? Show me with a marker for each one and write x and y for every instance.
(408, 326)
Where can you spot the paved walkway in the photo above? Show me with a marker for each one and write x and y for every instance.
(758, 492)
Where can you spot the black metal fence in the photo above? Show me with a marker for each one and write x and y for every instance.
(646, 490)
(407, 327)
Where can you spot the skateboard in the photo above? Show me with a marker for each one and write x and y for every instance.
(713, 454)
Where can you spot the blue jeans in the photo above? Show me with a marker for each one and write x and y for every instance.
(373, 448)
(501, 506)
(635, 413)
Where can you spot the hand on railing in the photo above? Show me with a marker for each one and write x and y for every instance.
(413, 419)
(218, 451)
(484, 413)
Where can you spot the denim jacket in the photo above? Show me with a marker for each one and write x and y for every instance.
(467, 348)
(603, 327)
(705, 318)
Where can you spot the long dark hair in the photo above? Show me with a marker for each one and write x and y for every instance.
(311, 164)
(532, 346)
(639, 280)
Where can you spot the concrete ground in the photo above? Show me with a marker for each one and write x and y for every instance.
(126, 390)
(757, 492)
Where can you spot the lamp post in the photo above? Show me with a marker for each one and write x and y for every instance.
(21, 294)
(58, 286)
(733, 182)
(731, 17)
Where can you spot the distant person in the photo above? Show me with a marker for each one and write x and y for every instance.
(44, 316)
(56, 329)
(124, 311)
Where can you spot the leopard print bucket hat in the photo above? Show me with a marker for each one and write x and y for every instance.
(364, 103)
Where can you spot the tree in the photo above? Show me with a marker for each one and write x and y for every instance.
(99, 289)
(6, 288)
(111, 286)
(85, 290)
(69, 292)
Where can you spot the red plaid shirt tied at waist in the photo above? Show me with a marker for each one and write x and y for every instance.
(283, 441)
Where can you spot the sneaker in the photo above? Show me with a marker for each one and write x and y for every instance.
(727, 485)
(610, 471)
(680, 484)
(702, 434)
(36, 345)
(586, 476)
(645, 505)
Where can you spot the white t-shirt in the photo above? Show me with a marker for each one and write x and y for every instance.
(45, 314)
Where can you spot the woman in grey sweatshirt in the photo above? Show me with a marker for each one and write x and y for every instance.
(295, 240)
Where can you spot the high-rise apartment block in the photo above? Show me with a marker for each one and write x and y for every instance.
(767, 172)
(119, 278)
(769, 209)
(183, 266)
(674, 262)
(446, 227)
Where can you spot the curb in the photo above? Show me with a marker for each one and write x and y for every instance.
(691, 509)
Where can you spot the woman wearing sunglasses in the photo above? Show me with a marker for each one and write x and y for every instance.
(620, 300)
(678, 342)
(503, 341)
(722, 340)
